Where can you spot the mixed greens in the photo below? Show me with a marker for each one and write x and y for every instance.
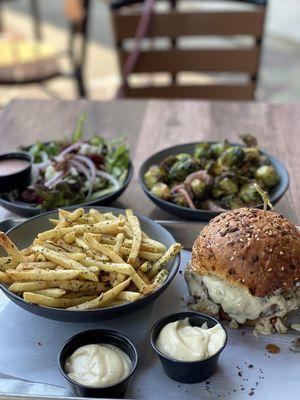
(70, 172)
(217, 176)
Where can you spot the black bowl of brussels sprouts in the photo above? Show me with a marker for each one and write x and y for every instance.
(198, 181)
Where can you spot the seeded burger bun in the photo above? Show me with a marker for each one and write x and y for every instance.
(251, 249)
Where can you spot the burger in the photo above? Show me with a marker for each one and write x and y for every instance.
(245, 267)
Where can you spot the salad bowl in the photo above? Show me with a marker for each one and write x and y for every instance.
(72, 172)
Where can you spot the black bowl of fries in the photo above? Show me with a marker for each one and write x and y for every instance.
(87, 264)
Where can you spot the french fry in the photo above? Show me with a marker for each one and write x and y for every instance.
(97, 217)
(137, 237)
(40, 275)
(11, 248)
(35, 264)
(55, 303)
(70, 238)
(98, 247)
(70, 285)
(104, 298)
(165, 258)
(5, 278)
(159, 279)
(118, 243)
(71, 216)
(5, 263)
(64, 261)
(128, 296)
(51, 292)
(145, 267)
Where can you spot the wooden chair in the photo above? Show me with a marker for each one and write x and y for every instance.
(237, 62)
(25, 62)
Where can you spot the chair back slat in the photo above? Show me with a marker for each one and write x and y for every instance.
(211, 92)
(208, 60)
(185, 24)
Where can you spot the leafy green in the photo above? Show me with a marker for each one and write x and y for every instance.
(78, 132)
(63, 195)
(117, 160)
(51, 149)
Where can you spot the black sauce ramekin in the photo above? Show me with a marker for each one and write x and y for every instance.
(20, 179)
(98, 336)
(187, 371)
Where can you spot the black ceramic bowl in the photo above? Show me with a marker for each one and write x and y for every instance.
(203, 215)
(23, 236)
(98, 336)
(19, 179)
(186, 371)
(27, 210)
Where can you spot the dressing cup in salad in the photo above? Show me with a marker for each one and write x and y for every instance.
(180, 370)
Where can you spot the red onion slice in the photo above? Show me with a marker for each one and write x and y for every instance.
(202, 175)
(109, 177)
(90, 164)
(83, 169)
(67, 150)
(187, 197)
(54, 180)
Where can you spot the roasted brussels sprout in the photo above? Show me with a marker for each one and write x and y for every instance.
(231, 201)
(267, 175)
(152, 176)
(216, 192)
(167, 163)
(249, 140)
(248, 193)
(203, 150)
(183, 156)
(181, 169)
(232, 157)
(228, 186)
(218, 148)
(179, 199)
(252, 154)
(161, 190)
(199, 188)
(214, 168)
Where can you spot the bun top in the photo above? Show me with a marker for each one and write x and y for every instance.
(250, 248)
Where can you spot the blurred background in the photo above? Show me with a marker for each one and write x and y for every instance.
(37, 58)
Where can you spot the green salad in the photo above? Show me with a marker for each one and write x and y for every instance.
(74, 171)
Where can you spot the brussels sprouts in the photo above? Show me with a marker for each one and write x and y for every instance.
(214, 168)
(179, 199)
(249, 194)
(203, 150)
(232, 157)
(249, 140)
(219, 147)
(267, 174)
(167, 163)
(161, 190)
(152, 176)
(231, 201)
(216, 192)
(228, 186)
(183, 156)
(252, 154)
(181, 169)
(199, 188)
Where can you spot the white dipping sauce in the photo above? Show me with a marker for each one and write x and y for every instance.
(181, 341)
(98, 365)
